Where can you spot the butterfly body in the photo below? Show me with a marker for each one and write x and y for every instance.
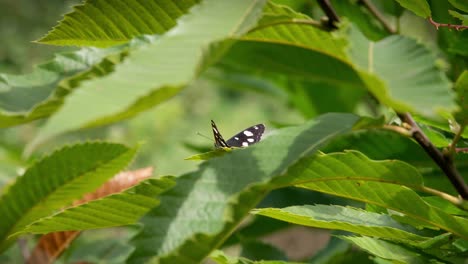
(245, 138)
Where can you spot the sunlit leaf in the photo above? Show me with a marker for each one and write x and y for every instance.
(56, 180)
(110, 22)
(346, 219)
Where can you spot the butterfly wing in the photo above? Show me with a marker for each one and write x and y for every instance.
(247, 137)
(219, 140)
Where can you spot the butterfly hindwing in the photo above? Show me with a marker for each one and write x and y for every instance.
(245, 138)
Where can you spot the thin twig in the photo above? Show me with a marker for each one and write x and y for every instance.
(375, 12)
(437, 25)
(327, 8)
(444, 161)
(458, 135)
(463, 150)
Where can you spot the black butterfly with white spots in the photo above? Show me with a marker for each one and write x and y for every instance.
(247, 137)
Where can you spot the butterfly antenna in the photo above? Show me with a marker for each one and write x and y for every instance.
(203, 136)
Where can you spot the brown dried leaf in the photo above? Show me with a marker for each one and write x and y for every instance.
(52, 245)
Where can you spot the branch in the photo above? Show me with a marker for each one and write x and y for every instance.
(375, 12)
(437, 25)
(444, 161)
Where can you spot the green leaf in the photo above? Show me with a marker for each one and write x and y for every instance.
(354, 176)
(298, 63)
(388, 250)
(381, 144)
(114, 210)
(461, 87)
(340, 251)
(36, 95)
(362, 18)
(160, 70)
(56, 180)
(210, 154)
(111, 22)
(415, 86)
(347, 219)
(215, 198)
(419, 7)
(294, 28)
(458, 44)
(460, 4)
(462, 17)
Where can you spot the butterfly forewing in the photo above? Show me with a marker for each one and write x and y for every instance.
(245, 138)
(219, 140)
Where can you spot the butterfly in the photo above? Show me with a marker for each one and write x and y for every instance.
(245, 138)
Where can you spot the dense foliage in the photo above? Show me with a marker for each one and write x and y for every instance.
(366, 115)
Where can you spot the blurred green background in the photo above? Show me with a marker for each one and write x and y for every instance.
(232, 104)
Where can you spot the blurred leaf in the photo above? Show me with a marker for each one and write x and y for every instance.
(388, 250)
(51, 245)
(419, 7)
(220, 194)
(112, 22)
(460, 4)
(458, 45)
(28, 97)
(154, 73)
(299, 63)
(105, 246)
(257, 250)
(120, 209)
(462, 17)
(347, 219)
(415, 86)
(220, 258)
(381, 144)
(461, 87)
(362, 18)
(437, 138)
(56, 180)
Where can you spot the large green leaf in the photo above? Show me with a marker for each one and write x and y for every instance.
(110, 22)
(354, 176)
(114, 210)
(416, 85)
(347, 219)
(56, 181)
(200, 212)
(297, 62)
(160, 69)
